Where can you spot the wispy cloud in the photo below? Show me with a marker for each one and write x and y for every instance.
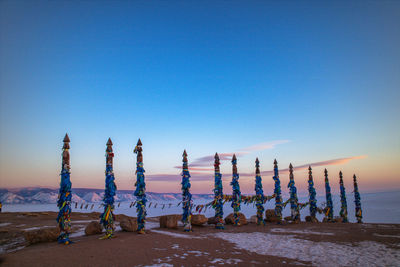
(199, 176)
(207, 161)
(340, 161)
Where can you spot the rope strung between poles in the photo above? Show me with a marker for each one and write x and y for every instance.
(107, 218)
(64, 196)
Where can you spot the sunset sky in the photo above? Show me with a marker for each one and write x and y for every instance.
(304, 82)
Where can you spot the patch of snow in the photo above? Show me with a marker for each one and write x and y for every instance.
(176, 234)
(395, 236)
(38, 228)
(305, 232)
(4, 224)
(226, 261)
(160, 265)
(152, 225)
(175, 246)
(198, 253)
(366, 253)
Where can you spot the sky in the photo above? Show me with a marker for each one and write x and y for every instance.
(303, 82)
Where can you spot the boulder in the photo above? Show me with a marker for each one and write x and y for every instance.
(212, 220)
(93, 228)
(338, 219)
(169, 221)
(270, 216)
(253, 219)
(230, 219)
(199, 219)
(42, 235)
(129, 224)
(311, 219)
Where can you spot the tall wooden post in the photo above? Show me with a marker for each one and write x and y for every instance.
(294, 202)
(329, 203)
(259, 195)
(186, 196)
(107, 218)
(343, 200)
(140, 191)
(357, 201)
(312, 195)
(218, 195)
(277, 192)
(64, 196)
(236, 194)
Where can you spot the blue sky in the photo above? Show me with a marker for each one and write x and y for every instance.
(209, 76)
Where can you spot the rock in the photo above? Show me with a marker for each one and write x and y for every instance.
(129, 224)
(42, 235)
(338, 219)
(169, 221)
(93, 228)
(253, 219)
(230, 220)
(212, 220)
(326, 220)
(270, 216)
(121, 217)
(311, 219)
(199, 219)
(288, 218)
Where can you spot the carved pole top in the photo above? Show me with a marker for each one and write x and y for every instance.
(290, 167)
(109, 142)
(257, 167)
(309, 168)
(66, 142)
(138, 150)
(234, 159)
(184, 155)
(234, 162)
(109, 152)
(65, 153)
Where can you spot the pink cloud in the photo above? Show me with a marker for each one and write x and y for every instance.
(199, 176)
(209, 160)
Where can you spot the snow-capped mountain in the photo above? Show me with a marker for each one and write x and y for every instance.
(83, 195)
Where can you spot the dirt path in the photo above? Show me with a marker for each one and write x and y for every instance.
(250, 245)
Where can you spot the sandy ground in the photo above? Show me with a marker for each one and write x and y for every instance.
(304, 244)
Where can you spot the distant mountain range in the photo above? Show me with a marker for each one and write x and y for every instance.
(37, 195)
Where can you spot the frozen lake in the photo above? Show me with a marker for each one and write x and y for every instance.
(377, 207)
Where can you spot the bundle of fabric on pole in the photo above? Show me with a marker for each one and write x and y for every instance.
(312, 195)
(236, 194)
(277, 192)
(329, 203)
(343, 200)
(294, 207)
(186, 196)
(107, 218)
(260, 199)
(64, 196)
(140, 191)
(218, 195)
(357, 200)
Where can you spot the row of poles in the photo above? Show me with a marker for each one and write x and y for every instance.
(107, 217)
